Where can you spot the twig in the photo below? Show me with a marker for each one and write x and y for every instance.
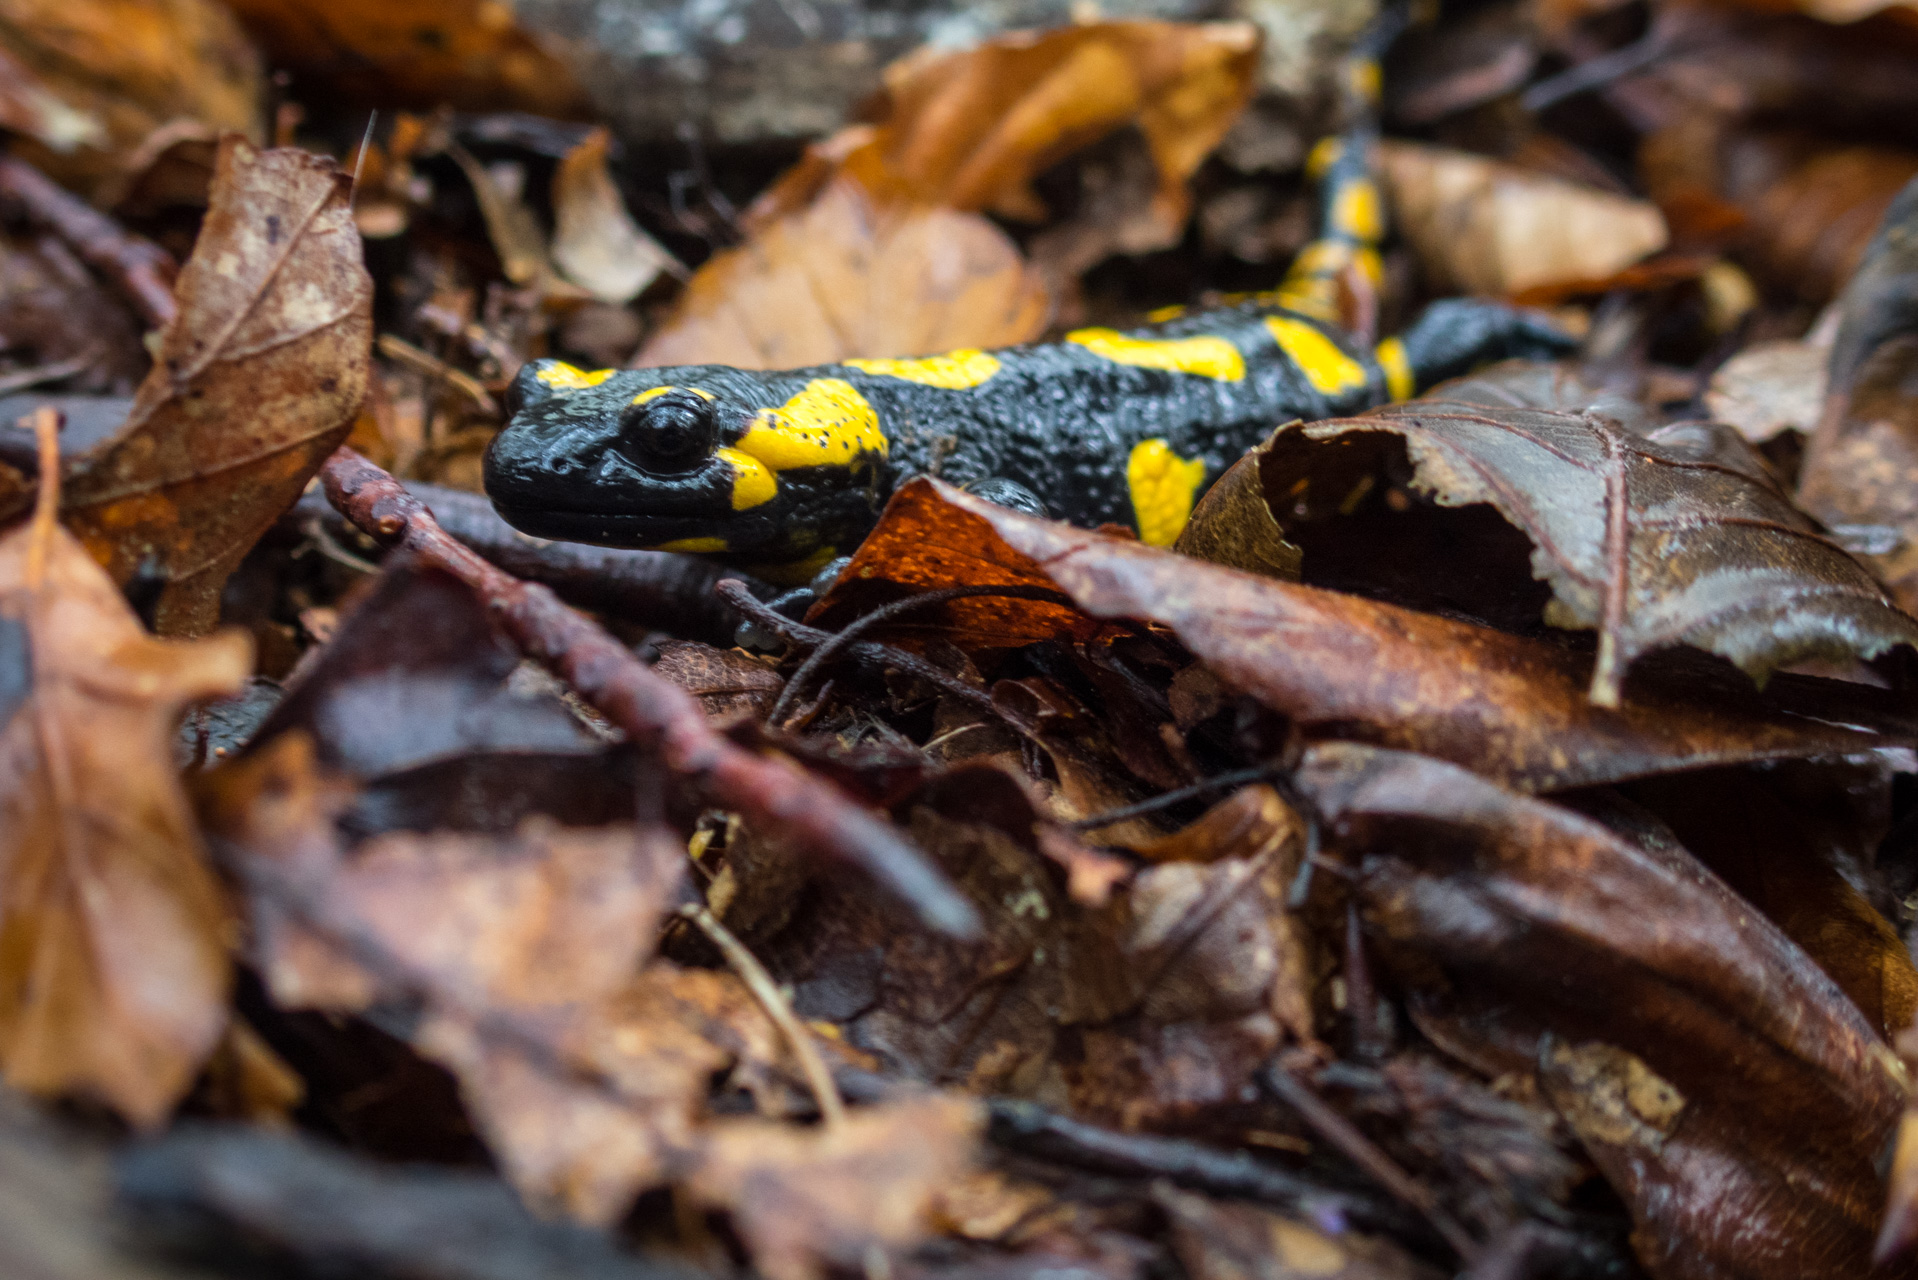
(1342, 1134)
(22, 379)
(734, 593)
(832, 1108)
(1032, 1130)
(1165, 800)
(403, 352)
(1595, 73)
(143, 270)
(843, 639)
(657, 716)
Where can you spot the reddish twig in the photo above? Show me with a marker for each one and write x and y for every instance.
(656, 715)
(143, 270)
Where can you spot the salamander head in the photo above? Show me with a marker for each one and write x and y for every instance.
(762, 469)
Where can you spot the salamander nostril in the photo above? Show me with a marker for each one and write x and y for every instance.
(668, 433)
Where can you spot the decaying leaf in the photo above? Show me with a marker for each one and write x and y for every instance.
(113, 969)
(596, 243)
(807, 1200)
(1510, 707)
(92, 81)
(1653, 536)
(850, 275)
(255, 383)
(1731, 1093)
(461, 53)
(1482, 226)
(520, 952)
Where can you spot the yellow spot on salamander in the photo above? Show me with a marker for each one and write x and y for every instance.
(954, 371)
(1364, 79)
(1399, 383)
(828, 424)
(1163, 486)
(1163, 314)
(1356, 211)
(1328, 369)
(1204, 355)
(694, 546)
(1323, 157)
(753, 483)
(564, 377)
(654, 393)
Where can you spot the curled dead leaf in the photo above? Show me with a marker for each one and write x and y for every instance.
(256, 381)
(1653, 536)
(1730, 1092)
(596, 243)
(1340, 665)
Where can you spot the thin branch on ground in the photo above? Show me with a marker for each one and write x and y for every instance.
(656, 716)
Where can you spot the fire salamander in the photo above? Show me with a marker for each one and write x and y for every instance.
(781, 472)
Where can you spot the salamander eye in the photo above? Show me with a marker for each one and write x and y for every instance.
(671, 432)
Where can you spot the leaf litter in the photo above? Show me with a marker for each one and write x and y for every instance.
(1482, 845)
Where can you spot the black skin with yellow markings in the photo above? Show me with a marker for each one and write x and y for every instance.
(585, 463)
(779, 472)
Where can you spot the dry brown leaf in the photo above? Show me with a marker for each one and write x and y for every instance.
(871, 246)
(113, 968)
(1340, 665)
(255, 384)
(1770, 388)
(970, 130)
(849, 275)
(91, 81)
(810, 1200)
(596, 243)
(1730, 1092)
(586, 1074)
(1653, 536)
(1482, 226)
(421, 53)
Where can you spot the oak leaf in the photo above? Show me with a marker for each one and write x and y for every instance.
(255, 383)
(113, 969)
